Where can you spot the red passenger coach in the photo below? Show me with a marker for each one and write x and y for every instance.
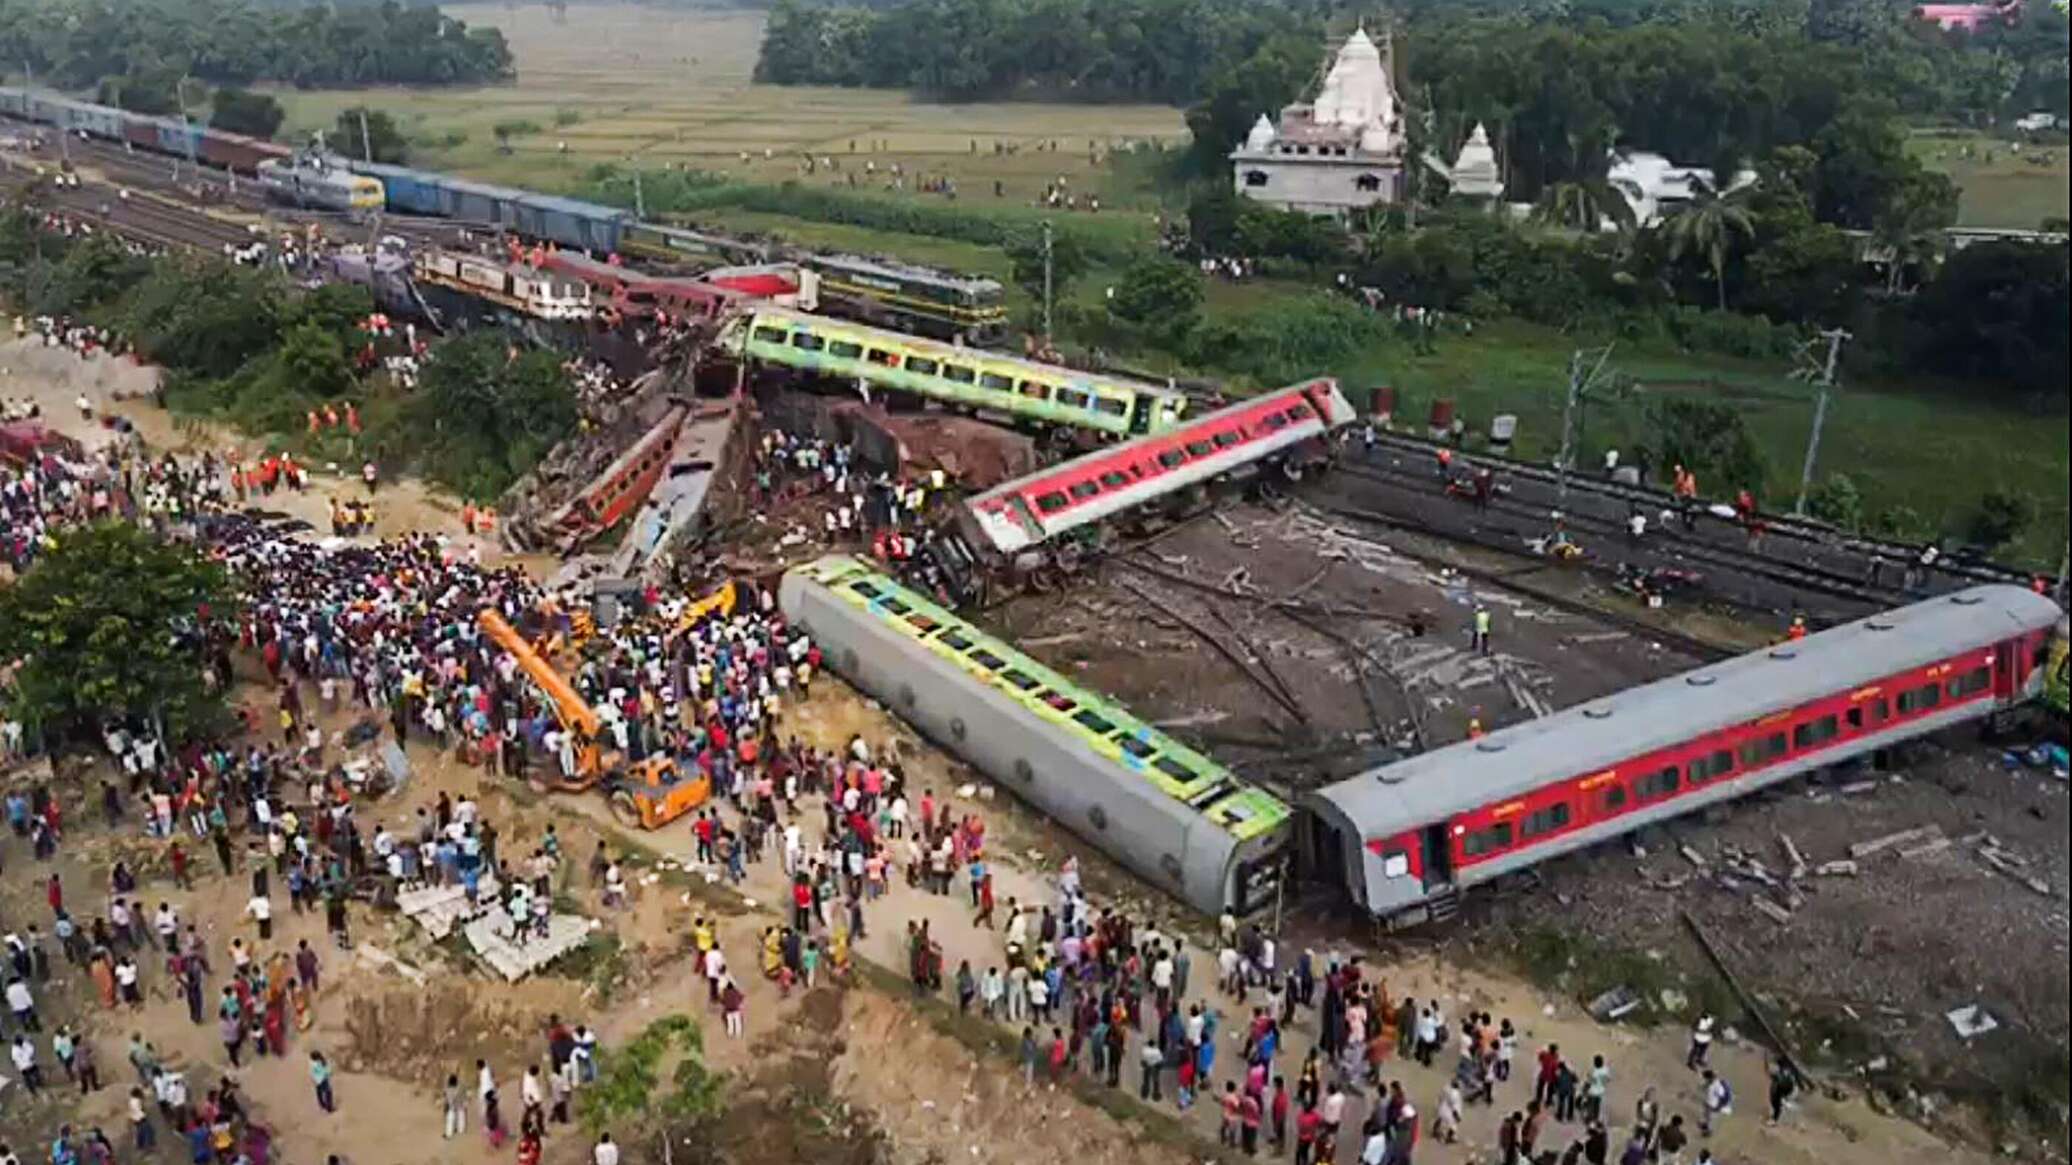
(1409, 836)
(1043, 505)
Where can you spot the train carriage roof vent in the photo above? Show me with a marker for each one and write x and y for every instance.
(1701, 680)
(1783, 653)
(1488, 745)
(1879, 624)
(1966, 599)
(1598, 711)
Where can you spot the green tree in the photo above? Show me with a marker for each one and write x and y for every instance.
(1709, 438)
(1836, 501)
(1709, 227)
(1158, 293)
(388, 142)
(1995, 313)
(1908, 228)
(631, 1099)
(315, 360)
(1583, 205)
(112, 622)
(243, 111)
(485, 411)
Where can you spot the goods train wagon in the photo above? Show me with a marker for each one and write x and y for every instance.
(1172, 815)
(1053, 501)
(667, 244)
(891, 361)
(1411, 835)
(404, 190)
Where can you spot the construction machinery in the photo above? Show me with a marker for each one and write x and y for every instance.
(648, 793)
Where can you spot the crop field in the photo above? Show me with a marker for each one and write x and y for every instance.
(672, 88)
(2003, 184)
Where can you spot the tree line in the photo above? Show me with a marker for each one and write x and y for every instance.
(152, 44)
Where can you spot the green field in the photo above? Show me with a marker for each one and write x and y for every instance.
(2002, 184)
(671, 87)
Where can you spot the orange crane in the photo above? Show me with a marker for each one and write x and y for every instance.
(649, 794)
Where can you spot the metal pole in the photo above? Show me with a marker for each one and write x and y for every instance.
(187, 127)
(366, 143)
(639, 202)
(1835, 336)
(1046, 279)
(1568, 430)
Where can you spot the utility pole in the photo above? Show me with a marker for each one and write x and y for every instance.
(366, 143)
(1579, 385)
(1835, 338)
(639, 202)
(1046, 281)
(186, 129)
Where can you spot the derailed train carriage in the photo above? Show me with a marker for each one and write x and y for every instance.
(1407, 838)
(1171, 815)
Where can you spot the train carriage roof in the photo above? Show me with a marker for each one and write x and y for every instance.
(1602, 733)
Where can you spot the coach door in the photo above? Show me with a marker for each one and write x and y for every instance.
(2006, 670)
(1140, 413)
(1438, 864)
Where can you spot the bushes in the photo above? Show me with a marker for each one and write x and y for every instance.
(1287, 340)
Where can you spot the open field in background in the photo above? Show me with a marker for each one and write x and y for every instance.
(672, 87)
(2003, 185)
(1932, 448)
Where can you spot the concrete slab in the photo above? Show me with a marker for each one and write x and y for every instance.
(489, 933)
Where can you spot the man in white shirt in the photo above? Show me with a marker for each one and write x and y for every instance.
(261, 910)
(605, 1153)
(25, 1066)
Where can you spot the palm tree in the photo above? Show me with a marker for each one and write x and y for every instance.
(1582, 203)
(1707, 226)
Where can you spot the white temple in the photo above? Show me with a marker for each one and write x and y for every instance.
(1337, 153)
(1474, 173)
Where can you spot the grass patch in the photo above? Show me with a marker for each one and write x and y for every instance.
(2001, 184)
(1583, 969)
(600, 964)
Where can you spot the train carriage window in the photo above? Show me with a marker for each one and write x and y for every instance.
(1705, 768)
(1113, 408)
(1052, 502)
(1134, 747)
(1276, 421)
(1082, 490)
(1975, 680)
(1614, 799)
(995, 381)
(1093, 722)
(771, 335)
(1175, 770)
(1757, 752)
(1072, 398)
(1022, 680)
(1920, 699)
(1547, 820)
(1395, 864)
(958, 373)
(1814, 733)
(1114, 479)
(807, 341)
(1655, 785)
(921, 623)
(1227, 438)
(867, 589)
(896, 606)
(1485, 841)
(986, 659)
(846, 349)
(1035, 390)
(1172, 458)
(1058, 700)
(1199, 448)
(881, 356)
(920, 366)
(1300, 412)
(956, 640)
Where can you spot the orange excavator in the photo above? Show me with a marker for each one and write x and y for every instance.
(649, 793)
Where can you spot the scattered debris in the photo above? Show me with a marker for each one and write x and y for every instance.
(1837, 869)
(1791, 851)
(1774, 912)
(1933, 846)
(1971, 1020)
(1614, 1004)
(374, 956)
(1692, 856)
(1855, 787)
(1864, 849)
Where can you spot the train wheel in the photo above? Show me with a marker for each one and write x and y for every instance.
(625, 810)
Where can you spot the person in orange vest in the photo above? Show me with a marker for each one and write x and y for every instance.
(331, 416)
(312, 422)
(485, 519)
(352, 418)
(1475, 724)
(467, 517)
(1797, 631)
(1445, 456)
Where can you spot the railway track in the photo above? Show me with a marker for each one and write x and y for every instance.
(1837, 551)
(1747, 578)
